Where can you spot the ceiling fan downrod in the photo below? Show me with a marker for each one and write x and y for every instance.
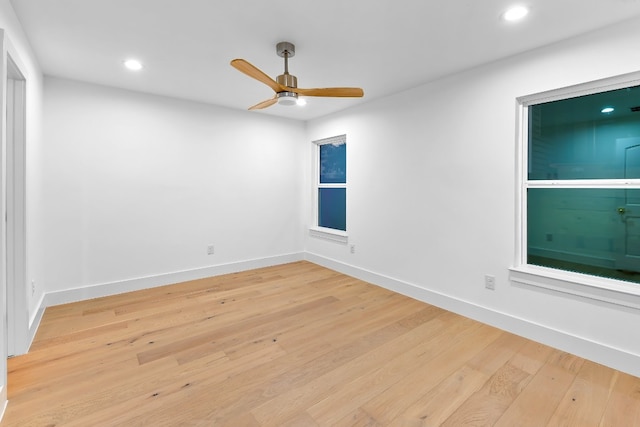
(286, 50)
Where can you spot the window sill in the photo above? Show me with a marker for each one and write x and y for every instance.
(329, 234)
(597, 288)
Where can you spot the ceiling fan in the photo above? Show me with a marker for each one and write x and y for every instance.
(286, 85)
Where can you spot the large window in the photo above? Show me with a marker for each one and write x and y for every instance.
(331, 183)
(580, 181)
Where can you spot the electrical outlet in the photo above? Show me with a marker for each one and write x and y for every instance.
(210, 250)
(33, 287)
(352, 249)
(490, 282)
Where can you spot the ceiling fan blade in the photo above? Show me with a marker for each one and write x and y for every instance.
(347, 92)
(264, 104)
(253, 71)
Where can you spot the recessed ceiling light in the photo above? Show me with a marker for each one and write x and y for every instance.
(515, 13)
(133, 64)
(607, 110)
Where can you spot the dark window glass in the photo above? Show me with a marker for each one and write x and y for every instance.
(594, 231)
(332, 208)
(333, 163)
(573, 139)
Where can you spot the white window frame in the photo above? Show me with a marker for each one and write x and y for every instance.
(522, 274)
(330, 234)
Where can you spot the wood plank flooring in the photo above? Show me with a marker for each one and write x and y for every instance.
(298, 345)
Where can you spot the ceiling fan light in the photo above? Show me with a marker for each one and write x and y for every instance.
(301, 102)
(287, 98)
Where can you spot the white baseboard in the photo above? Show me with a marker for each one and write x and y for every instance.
(3, 400)
(135, 284)
(34, 322)
(28, 332)
(579, 346)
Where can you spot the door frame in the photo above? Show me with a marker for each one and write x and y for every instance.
(3, 230)
(15, 194)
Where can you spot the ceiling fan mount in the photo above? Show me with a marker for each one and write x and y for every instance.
(286, 49)
(285, 85)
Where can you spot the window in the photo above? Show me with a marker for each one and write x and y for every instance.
(580, 182)
(331, 183)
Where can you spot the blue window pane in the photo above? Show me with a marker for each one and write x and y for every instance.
(573, 139)
(333, 163)
(332, 208)
(591, 231)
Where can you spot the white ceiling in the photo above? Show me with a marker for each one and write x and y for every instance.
(383, 46)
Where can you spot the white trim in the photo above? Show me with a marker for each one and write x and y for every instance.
(522, 156)
(587, 88)
(18, 310)
(585, 183)
(3, 239)
(3, 400)
(34, 323)
(611, 291)
(338, 139)
(583, 347)
(138, 283)
(329, 234)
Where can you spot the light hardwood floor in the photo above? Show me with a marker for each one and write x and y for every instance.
(298, 345)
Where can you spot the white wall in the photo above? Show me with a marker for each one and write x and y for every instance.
(431, 195)
(138, 185)
(17, 45)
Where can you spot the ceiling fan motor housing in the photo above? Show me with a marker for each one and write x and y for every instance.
(288, 80)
